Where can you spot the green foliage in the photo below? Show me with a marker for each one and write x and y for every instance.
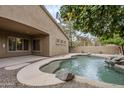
(101, 21)
(116, 39)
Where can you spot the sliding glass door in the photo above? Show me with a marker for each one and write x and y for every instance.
(36, 44)
(18, 44)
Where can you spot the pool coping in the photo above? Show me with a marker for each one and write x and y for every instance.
(32, 76)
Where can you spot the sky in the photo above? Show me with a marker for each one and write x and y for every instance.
(53, 9)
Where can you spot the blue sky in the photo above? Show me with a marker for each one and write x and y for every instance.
(53, 9)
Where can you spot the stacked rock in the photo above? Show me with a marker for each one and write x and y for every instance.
(115, 60)
(65, 75)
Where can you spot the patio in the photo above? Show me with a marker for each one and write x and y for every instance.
(17, 62)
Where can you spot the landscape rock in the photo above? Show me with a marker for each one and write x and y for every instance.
(115, 60)
(108, 61)
(119, 68)
(118, 58)
(121, 58)
(111, 58)
(121, 62)
(65, 75)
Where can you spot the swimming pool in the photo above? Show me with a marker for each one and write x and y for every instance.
(91, 67)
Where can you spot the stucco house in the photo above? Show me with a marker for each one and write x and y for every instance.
(28, 30)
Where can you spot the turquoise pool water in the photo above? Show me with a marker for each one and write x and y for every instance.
(91, 67)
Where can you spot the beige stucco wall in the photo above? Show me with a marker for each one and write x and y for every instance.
(34, 16)
(98, 49)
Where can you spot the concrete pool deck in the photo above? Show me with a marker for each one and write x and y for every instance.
(16, 66)
(11, 61)
(35, 77)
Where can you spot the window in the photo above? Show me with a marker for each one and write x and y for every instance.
(36, 44)
(18, 44)
(26, 44)
(12, 44)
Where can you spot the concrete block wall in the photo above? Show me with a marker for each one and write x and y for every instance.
(98, 49)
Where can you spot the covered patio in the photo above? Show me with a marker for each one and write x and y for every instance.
(17, 61)
(28, 40)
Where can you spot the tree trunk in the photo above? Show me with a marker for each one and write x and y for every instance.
(122, 49)
(70, 38)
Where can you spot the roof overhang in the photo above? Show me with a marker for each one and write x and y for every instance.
(11, 25)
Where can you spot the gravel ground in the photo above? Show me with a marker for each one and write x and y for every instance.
(8, 80)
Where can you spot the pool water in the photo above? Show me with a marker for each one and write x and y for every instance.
(91, 67)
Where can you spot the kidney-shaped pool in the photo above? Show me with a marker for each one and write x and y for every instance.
(91, 67)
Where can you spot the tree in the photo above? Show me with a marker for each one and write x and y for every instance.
(117, 40)
(68, 29)
(99, 20)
